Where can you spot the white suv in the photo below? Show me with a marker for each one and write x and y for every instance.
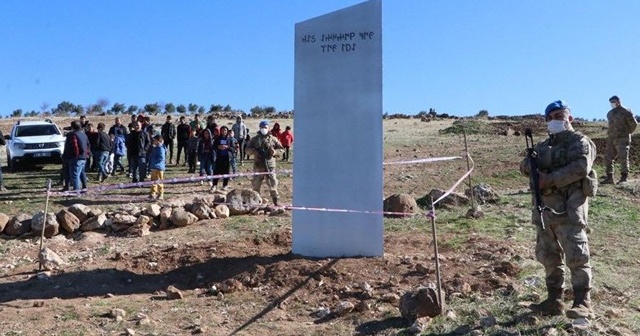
(34, 141)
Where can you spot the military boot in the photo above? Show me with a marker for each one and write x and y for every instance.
(623, 178)
(552, 306)
(608, 179)
(275, 201)
(581, 305)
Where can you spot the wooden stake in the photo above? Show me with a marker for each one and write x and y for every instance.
(44, 223)
(435, 248)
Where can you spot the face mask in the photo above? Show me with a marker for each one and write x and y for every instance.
(263, 131)
(556, 126)
(614, 105)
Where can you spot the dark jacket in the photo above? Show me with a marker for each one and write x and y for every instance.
(93, 140)
(168, 131)
(183, 132)
(224, 153)
(104, 142)
(118, 130)
(76, 146)
(138, 143)
(205, 146)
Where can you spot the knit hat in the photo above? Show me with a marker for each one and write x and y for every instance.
(264, 123)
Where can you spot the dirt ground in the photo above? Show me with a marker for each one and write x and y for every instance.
(245, 280)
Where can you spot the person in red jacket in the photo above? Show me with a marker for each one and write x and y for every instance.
(276, 131)
(286, 139)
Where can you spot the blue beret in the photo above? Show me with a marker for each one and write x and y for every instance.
(556, 105)
(264, 123)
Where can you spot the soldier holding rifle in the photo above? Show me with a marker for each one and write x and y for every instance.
(565, 180)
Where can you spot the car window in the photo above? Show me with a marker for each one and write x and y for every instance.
(35, 130)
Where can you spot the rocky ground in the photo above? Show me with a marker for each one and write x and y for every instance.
(237, 275)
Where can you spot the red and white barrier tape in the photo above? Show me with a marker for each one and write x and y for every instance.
(192, 179)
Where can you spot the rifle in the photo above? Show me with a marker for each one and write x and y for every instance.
(534, 177)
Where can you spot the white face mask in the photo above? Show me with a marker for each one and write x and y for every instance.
(264, 131)
(556, 126)
(614, 105)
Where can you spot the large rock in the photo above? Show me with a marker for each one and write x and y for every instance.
(141, 227)
(208, 200)
(80, 210)
(449, 201)
(221, 211)
(18, 225)
(120, 221)
(403, 204)
(49, 259)
(68, 221)
(179, 217)
(152, 210)
(483, 193)
(201, 210)
(165, 217)
(4, 219)
(51, 227)
(421, 302)
(94, 223)
(243, 201)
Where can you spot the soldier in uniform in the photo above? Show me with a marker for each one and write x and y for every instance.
(621, 125)
(565, 162)
(264, 147)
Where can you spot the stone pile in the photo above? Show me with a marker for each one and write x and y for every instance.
(135, 220)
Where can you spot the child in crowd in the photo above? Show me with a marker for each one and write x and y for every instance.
(192, 150)
(119, 150)
(157, 165)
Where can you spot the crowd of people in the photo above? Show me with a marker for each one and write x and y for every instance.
(203, 145)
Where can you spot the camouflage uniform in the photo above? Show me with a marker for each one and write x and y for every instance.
(621, 124)
(263, 148)
(567, 158)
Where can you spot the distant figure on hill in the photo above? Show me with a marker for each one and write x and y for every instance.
(566, 181)
(621, 124)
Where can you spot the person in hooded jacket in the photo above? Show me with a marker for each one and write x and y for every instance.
(119, 150)
(276, 131)
(286, 139)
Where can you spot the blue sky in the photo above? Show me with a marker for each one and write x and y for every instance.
(459, 57)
